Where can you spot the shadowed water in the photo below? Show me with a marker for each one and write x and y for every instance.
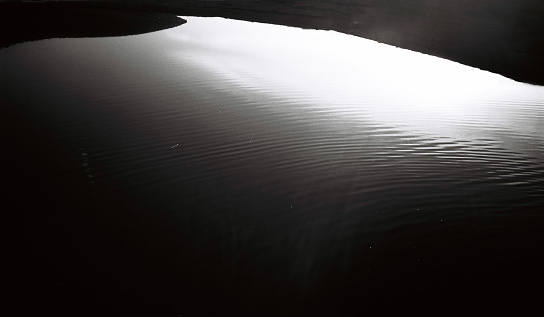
(227, 166)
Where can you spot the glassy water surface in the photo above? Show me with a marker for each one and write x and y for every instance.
(265, 168)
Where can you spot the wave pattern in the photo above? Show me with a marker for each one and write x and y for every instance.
(254, 185)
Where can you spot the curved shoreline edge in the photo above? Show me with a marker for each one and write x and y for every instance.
(500, 36)
(38, 21)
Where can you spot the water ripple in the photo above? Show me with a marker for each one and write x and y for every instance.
(227, 158)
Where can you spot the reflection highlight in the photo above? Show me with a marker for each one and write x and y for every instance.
(330, 71)
(210, 163)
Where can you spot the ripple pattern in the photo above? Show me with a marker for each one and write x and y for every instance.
(265, 188)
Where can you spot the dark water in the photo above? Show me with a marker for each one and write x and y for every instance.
(227, 166)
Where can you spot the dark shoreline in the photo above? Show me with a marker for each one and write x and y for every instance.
(37, 21)
(500, 36)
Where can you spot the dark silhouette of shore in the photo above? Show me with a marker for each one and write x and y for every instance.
(501, 36)
(24, 22)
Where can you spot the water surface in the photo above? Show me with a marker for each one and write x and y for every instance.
(234, 166)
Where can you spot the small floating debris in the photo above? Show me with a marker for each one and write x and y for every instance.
(175, 145)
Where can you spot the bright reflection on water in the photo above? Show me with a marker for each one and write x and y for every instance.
(264, 166)
(359, 78)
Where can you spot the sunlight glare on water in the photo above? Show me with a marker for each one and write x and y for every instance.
(357, 77)
(242, 163)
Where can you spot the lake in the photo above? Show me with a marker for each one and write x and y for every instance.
(234, 167)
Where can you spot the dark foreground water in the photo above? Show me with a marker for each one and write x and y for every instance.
(234, 167)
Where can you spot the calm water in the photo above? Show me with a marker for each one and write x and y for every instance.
(233, 166)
